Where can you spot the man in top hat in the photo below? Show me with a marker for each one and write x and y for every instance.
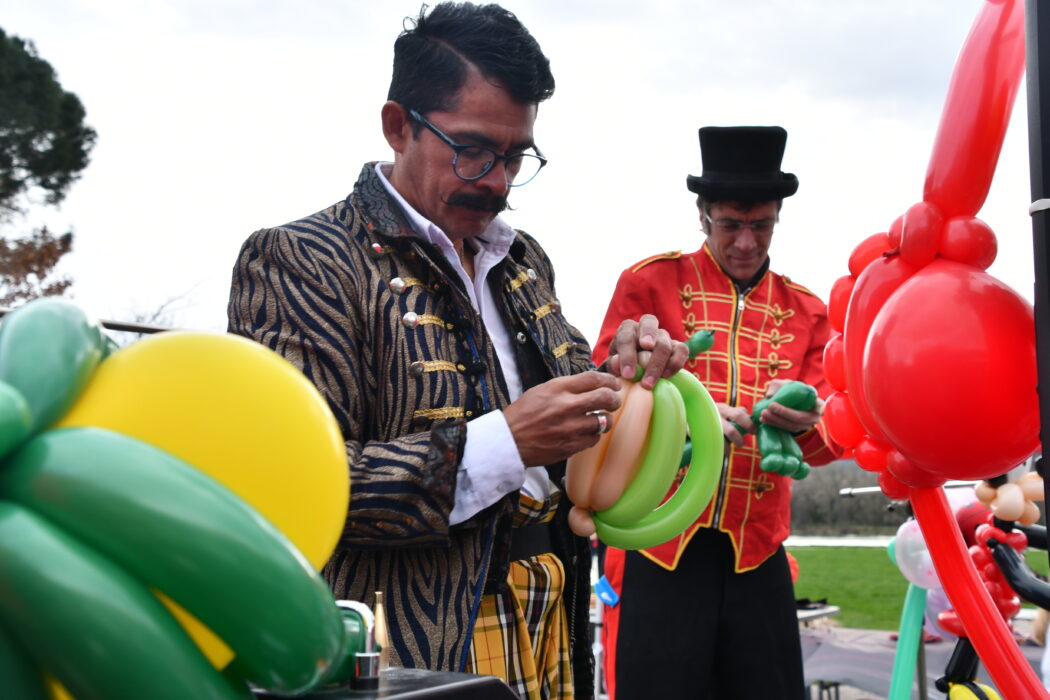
(712, 612)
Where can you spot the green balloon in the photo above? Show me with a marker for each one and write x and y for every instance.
(181, 532)
(15, 420)
(48, 351)
(908, 642)
(699, 342)
(20, 678)
(780, 452)
(698, 486)
(660, 462)
(90, 624)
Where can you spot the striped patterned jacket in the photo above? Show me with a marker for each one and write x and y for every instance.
(381, 324)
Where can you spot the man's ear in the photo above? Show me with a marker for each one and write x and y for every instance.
(397, 125)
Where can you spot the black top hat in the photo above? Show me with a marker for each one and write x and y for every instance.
(742, 164)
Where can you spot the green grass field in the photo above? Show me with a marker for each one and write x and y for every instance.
(863, 582)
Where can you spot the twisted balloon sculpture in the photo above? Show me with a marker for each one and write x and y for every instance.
(934, 361)
(163, 510)
(618, 487)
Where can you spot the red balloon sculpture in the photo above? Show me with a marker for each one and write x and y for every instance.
(934, 361)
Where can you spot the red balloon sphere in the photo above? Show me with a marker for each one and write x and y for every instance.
(871, 248)
(875, 285)
(969, 240)
(921, 234)
(835, 362)
(841, 421)
(950, 374)
(871, 454)
(839, 302)
(893, 487)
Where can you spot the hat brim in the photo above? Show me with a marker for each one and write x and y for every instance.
(742, 190)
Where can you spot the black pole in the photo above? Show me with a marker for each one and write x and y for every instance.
(1037, 56)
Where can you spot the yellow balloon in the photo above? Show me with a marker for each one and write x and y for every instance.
(240, 413)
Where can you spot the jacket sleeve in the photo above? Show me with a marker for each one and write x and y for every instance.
(817, 446)
(630, 300)
(295, 293)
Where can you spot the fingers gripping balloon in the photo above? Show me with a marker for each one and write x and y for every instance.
(935, 361)
(617, 486)
(116, 470)
(780, 453)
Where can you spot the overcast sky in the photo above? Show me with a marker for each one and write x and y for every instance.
(218, 117)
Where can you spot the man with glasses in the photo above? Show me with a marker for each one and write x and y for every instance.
(434, 330)
(712, 612)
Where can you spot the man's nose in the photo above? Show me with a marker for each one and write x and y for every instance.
(745, 239)
(495, 180)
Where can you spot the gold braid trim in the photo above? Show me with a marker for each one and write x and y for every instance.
(542, 311)
(521, 279)
(439, 413)
(439, 366)
(562, 349)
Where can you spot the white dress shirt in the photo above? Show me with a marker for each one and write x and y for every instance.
(491, 466)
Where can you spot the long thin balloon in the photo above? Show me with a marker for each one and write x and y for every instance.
(908, 639)
(984, 625)
(977, 110)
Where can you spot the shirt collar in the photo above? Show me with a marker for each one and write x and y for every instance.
(496, 239)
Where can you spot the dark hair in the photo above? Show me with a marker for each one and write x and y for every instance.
(432, 54)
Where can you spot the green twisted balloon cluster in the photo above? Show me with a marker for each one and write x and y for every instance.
(102, 534)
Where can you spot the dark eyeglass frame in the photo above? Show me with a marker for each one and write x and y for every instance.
(736, 226)
(496, 157)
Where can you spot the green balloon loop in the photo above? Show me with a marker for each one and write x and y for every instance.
(698, 486)
(660, 459)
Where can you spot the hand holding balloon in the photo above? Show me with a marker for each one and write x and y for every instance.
(626, 475)
(780, 453)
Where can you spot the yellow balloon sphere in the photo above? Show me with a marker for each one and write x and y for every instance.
(238, 412)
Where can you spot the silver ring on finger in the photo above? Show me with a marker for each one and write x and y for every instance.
(603, 421)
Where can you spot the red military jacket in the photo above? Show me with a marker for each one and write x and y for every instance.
(776, 330)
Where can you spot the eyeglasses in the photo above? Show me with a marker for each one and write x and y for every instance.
(474, 162)
(760, 227)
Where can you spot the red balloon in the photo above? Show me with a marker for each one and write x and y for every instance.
(835, 362)
(970, 241)
(867, 250)
(875, 285)
(1017, 539)
(910, 473)
(871, 454)
(839, 302)
(950, 372)
(949, 621)
(921, 234)
(894, 234)
(892, 486)
(1009, 606)
(985, 627)
(977, 110)
(841, 421)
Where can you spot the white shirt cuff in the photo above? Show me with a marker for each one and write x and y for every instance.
(491, 467)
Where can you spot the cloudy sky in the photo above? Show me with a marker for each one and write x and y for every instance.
(218, 117)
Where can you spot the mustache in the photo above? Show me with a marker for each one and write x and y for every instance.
(481, 202)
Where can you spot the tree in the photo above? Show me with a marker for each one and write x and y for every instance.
(44, 146)
(44, 142)
(26, 265)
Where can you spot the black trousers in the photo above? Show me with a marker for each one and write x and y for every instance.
(704, 632)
